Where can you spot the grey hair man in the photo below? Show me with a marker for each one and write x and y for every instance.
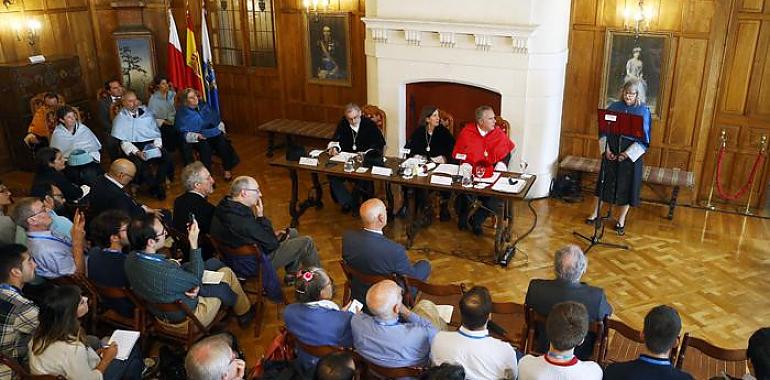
(382, 338)
(198, 184)
(239, 219)
(569, 265)
(213, 359)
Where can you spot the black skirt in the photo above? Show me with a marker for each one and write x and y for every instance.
(622, 179)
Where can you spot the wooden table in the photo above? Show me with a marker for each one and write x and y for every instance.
(300, 128)
(504, 212)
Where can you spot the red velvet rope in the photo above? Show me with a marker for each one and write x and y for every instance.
(745, 187)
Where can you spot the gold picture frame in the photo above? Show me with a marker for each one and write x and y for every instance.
(327, 48)
(135, 53)
(644, 56)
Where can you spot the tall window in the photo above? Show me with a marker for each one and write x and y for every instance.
(243, 38)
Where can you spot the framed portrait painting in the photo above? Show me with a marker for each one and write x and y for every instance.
(136, 58)
(327, 48)
(629, 56)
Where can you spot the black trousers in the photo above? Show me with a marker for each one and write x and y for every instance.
(347, 197)
(206, 148)
(463, 207)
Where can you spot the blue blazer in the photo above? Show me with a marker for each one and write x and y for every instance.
(370, 252)
(318, 327)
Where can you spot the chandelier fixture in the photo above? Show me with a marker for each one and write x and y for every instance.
(637, 18)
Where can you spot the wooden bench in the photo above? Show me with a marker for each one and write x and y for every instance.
(291, 128)
(651, 175)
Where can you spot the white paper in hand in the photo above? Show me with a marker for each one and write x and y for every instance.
(211, 277)
(125, 339)
(355, 306)
(445, 312)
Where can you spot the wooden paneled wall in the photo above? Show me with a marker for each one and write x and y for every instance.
(679, 134)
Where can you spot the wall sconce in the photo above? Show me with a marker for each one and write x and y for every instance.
(28, 30)
(637, 18)
(7, 3)
(315, 5)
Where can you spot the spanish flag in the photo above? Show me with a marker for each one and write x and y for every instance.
(194, 77)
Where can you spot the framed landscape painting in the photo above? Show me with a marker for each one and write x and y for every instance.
(136, 56)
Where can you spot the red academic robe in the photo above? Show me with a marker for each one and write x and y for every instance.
(470, 142)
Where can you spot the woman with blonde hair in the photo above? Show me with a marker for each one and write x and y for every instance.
(622, 161)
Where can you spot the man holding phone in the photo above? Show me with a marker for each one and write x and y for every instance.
(239, 220)
(193, 204)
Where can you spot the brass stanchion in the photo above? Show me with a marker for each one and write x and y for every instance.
(723, 138)
(762, 147)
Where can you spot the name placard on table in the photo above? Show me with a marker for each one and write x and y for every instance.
(441, 180)
(308, 161)
(379, 170)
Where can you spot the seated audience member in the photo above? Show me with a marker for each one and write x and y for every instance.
(39, 130)
(314, 307)
(759, 354)
(137, 130)
(59, 347)
(9, 231)
(78, 145)
(382, 338)
(53, 200)
(566, 326)
(569, 266)
(111, 93)
(354, 134)
(445, 371)
(54, 255)
(336, 366)
(108, 193)
(159, 280)
(50, 166)
(369, 251)
(162, 105)
(198, 184)
(661, 333)
(18, 315)
(212, 358)
(486, 146)
(106, 260)
(203, 130)
(239, 220)
(482, 356)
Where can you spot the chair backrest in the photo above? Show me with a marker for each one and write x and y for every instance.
(22, 372)
(38, 100)
(535, 319)
(704, 360)
(512, 317)
(244, 250)
(502, 124)
(317, 351)
(439, 294)
(376, 115)
(388, 373)
(621, 343)
(178, 306)
(85, 285)
(447, 120)
(365, 278)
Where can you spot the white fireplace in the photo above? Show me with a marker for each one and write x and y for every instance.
(517, 48)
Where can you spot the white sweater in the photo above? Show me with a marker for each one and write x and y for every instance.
(539, 368)
(74, 361)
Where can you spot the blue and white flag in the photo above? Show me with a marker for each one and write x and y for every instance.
(209, 78)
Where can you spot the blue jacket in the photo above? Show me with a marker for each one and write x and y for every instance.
(373, 253)
(317, 326)
(202, 120)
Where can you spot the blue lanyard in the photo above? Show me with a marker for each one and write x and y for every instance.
(68, 244)
(114, 251)
(151, 258)
(654, 361)
(560, 357)
(471, 336)
(386, 324)
(10, 287)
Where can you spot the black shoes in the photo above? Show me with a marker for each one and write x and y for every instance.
(621, 230)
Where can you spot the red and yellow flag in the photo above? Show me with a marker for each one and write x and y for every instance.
(194, 77)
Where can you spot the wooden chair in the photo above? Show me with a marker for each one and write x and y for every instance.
(502, 124)
(704, 360)
(376, 115)
(447, 120)
(138, 322)
(23, 373)
(387, 373)
(365, 278)
(181, 243)
(535, 319)
(38, 101)
(449, 294)
(317, 351)
(512, 317)
(87, 289)
(255, 281)
(195, 329)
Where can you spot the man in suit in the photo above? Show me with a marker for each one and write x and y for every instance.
(369, 251)
(108, 193)
(353, 134)
(198, 184)
(113, 91)
(569, 265)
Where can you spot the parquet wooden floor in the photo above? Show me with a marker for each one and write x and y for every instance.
(712, 267)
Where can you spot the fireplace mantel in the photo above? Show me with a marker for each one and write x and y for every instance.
(448, 32)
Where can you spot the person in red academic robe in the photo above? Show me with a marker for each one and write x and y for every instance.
(481, 144)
